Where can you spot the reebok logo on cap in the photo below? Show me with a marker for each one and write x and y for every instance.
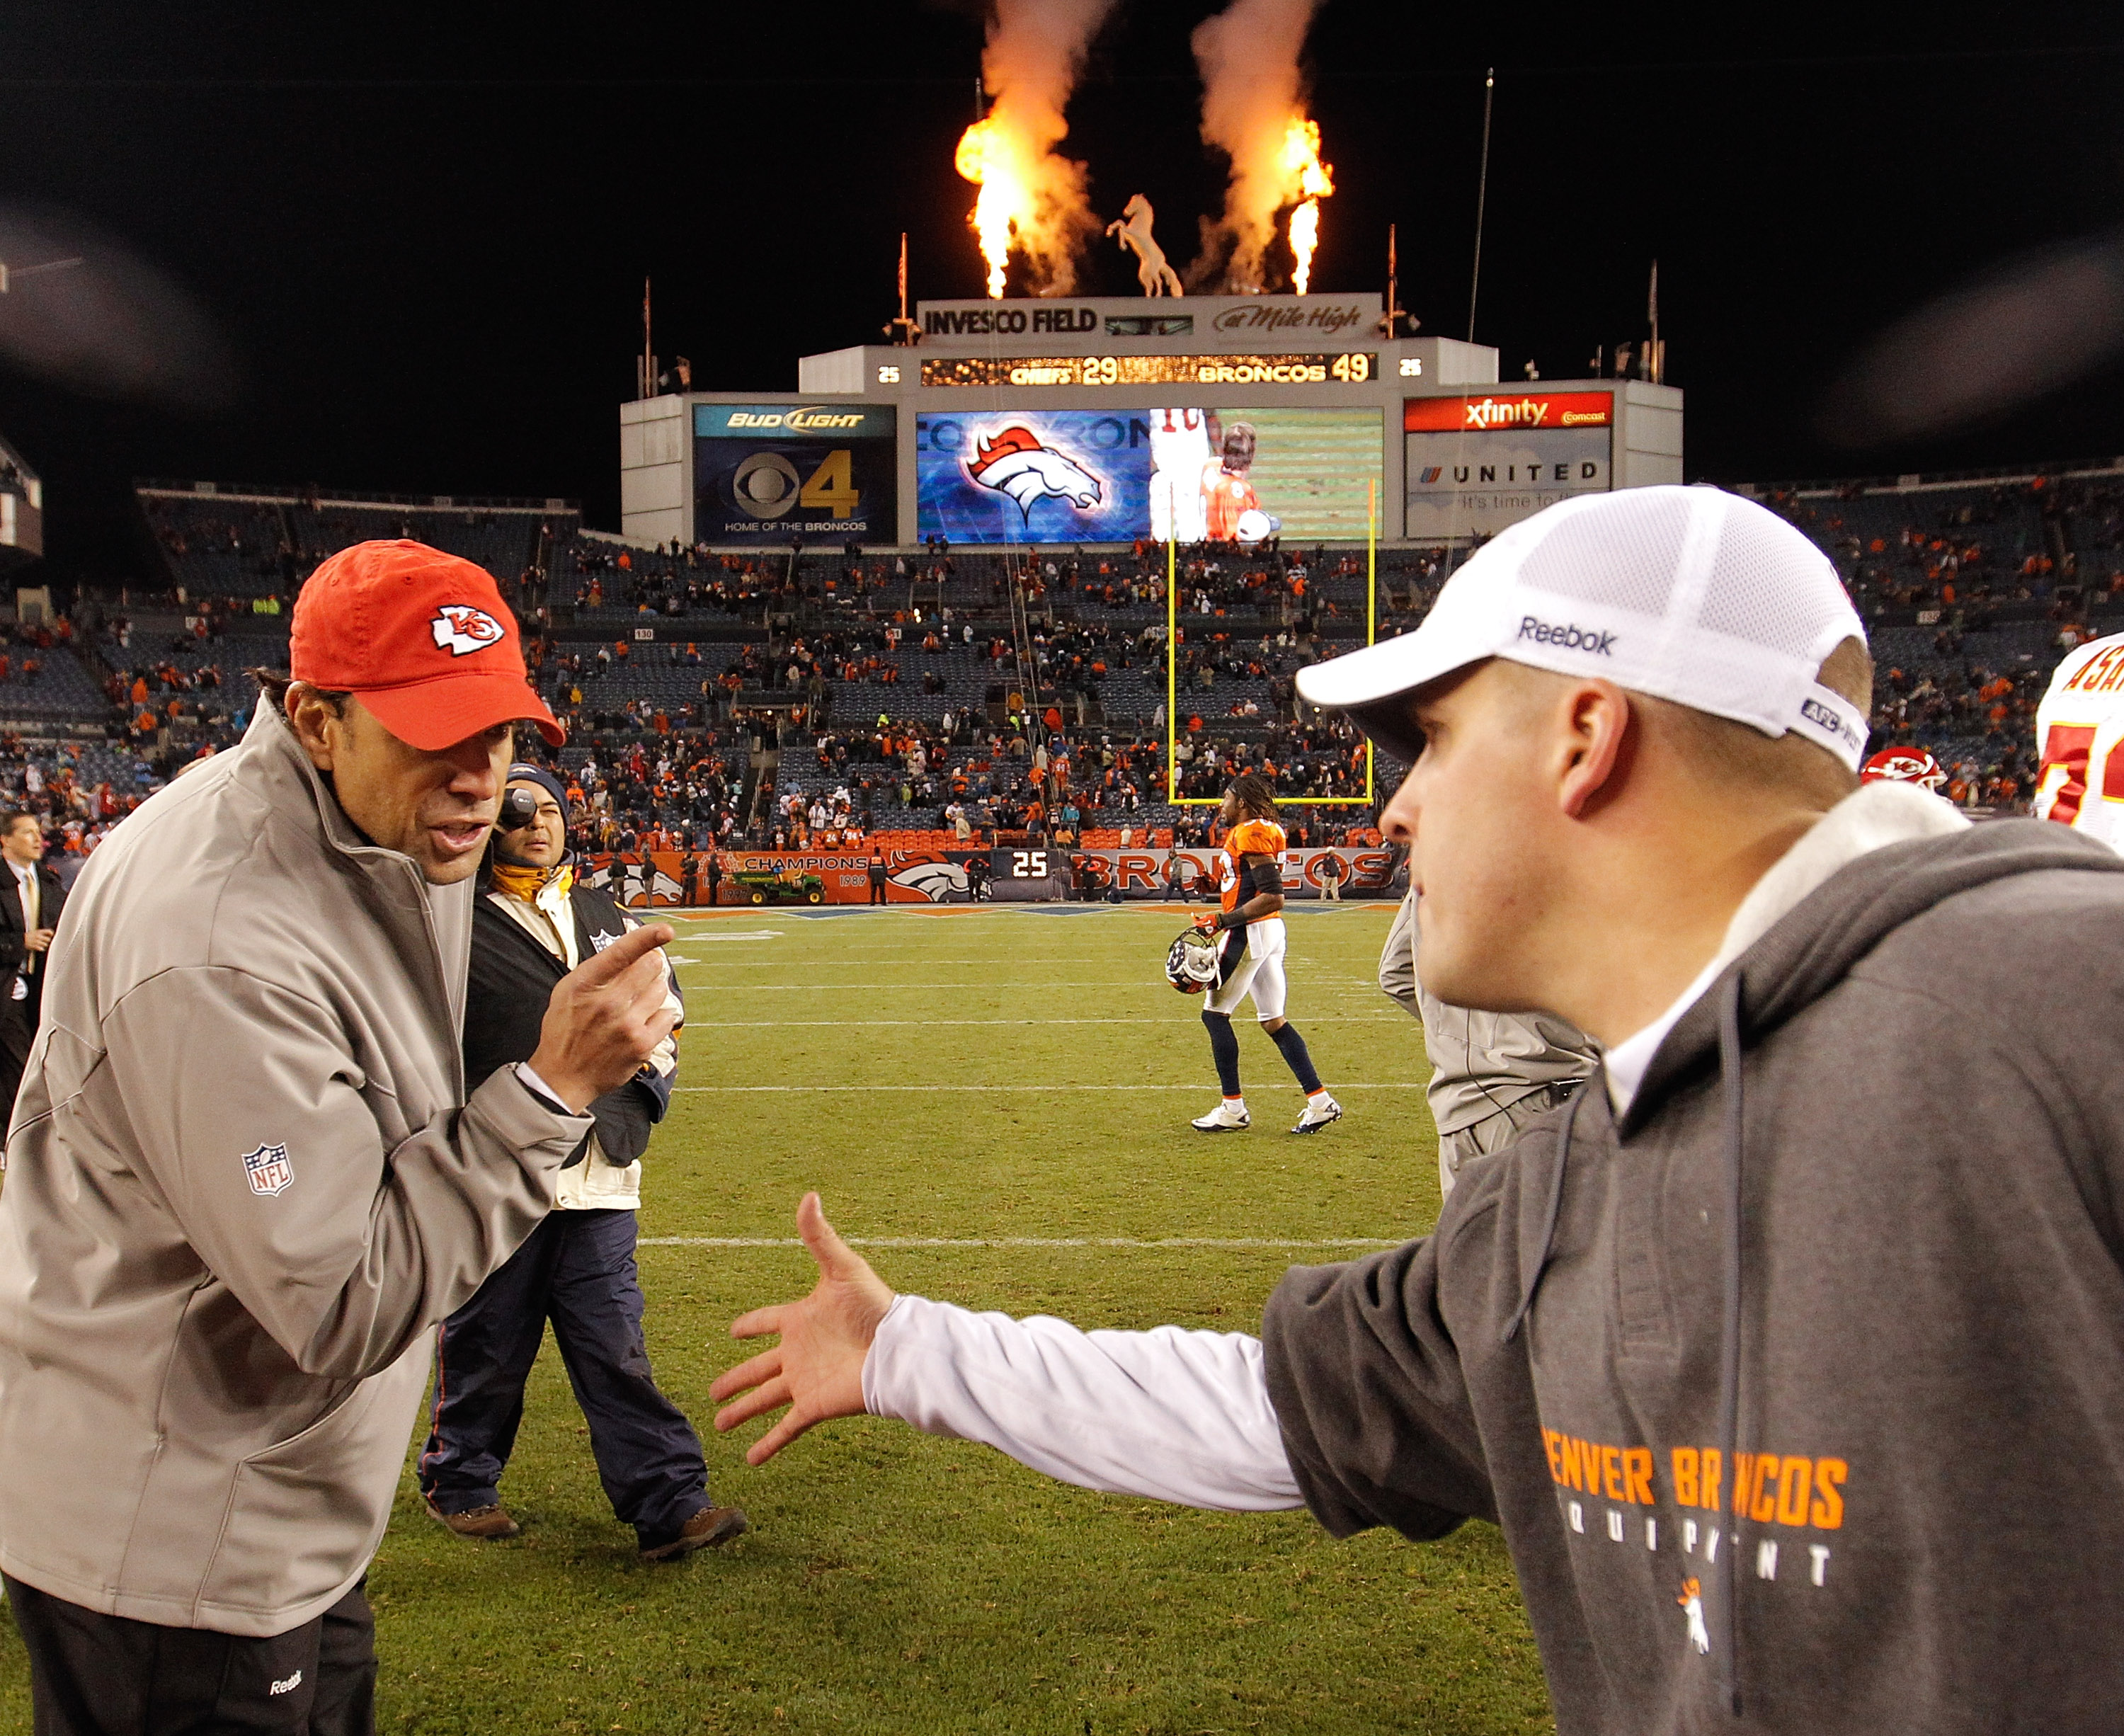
(1571, 638)
(459, 628)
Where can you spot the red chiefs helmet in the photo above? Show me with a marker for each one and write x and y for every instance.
(1904, 765)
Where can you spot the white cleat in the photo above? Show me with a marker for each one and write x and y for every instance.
(1227, 1117)
(1317, 1116)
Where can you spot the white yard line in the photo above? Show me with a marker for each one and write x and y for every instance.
(819, 985)
(857, 1024)
(784, 964)
(1234, 1242)
(1112, 985)
(1393, 1085)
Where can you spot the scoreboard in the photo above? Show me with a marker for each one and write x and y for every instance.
(1087, 420)
(1353, 367)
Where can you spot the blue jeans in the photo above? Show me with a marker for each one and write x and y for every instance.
(577, 1270)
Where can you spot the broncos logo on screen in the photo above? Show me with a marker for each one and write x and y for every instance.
(935, 880)
(1014, 462)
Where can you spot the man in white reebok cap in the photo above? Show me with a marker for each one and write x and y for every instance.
(1761, 1349)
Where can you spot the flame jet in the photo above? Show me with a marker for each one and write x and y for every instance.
(1252, 111)
(1301, 158)
(1033, 202)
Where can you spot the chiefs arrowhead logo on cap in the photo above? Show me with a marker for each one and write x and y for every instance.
(459, 628)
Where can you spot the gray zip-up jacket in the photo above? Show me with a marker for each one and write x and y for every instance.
(243, 1180)
(1797, 1388)
(1482, 1063)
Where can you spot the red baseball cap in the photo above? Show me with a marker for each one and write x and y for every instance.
(422, 638)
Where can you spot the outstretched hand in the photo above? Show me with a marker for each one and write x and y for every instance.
(817, 1368)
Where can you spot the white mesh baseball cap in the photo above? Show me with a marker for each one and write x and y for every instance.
(1692, 595)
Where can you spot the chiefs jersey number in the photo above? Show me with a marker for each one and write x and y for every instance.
(2081, 729)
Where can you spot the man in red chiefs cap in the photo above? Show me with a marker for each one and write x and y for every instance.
(246, 1174)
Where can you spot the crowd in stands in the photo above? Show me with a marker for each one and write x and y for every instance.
(1972, 591)
(78, 790)
(816, 695)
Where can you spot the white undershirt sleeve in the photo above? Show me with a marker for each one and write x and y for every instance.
(1175, 1415)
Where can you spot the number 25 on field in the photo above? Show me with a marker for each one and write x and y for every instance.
(1028, 864)
(832, 485)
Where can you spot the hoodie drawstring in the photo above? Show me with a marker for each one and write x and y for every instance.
(1729, 1332)
(1729, 1335)
(1548, 1222)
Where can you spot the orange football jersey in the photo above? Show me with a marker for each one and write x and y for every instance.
(1248, 837)
(1224, 498)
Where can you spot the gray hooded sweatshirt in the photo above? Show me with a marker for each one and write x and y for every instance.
(1798, 1390)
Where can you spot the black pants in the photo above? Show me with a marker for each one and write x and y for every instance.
(577, 1270)
(877, 889)
(97, 1675)
(18, 1030)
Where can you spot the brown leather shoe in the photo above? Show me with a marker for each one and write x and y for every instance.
(708, 1527)
(484, 1523)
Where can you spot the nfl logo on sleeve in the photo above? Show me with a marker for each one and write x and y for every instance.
(269, 1169)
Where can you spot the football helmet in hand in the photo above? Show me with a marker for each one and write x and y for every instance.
(1191, 963)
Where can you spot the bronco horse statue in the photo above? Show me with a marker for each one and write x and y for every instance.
(1132, 227)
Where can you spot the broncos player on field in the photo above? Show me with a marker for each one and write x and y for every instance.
(1250, 958)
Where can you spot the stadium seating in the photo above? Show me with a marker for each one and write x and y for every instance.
(1965, 584)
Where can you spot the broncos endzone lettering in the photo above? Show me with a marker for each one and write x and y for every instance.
(1249, 838)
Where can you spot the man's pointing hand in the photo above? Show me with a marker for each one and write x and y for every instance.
(606, 1017)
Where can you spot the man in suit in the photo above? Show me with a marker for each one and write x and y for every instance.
(31, 900)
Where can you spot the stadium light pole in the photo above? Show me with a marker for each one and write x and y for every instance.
(1482, 197)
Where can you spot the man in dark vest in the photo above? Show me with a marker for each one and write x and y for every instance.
(533, 922)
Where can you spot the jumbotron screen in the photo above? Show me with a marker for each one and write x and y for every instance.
(1112, 476)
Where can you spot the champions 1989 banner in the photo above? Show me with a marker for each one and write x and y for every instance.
(1005, 872)
(1113, 476)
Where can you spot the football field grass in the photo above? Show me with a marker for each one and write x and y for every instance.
(995, 1102)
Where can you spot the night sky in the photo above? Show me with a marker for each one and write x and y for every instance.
(422, 239)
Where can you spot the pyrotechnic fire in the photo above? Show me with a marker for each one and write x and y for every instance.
(1033, 202)
(1313, 180)
(984, 159)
